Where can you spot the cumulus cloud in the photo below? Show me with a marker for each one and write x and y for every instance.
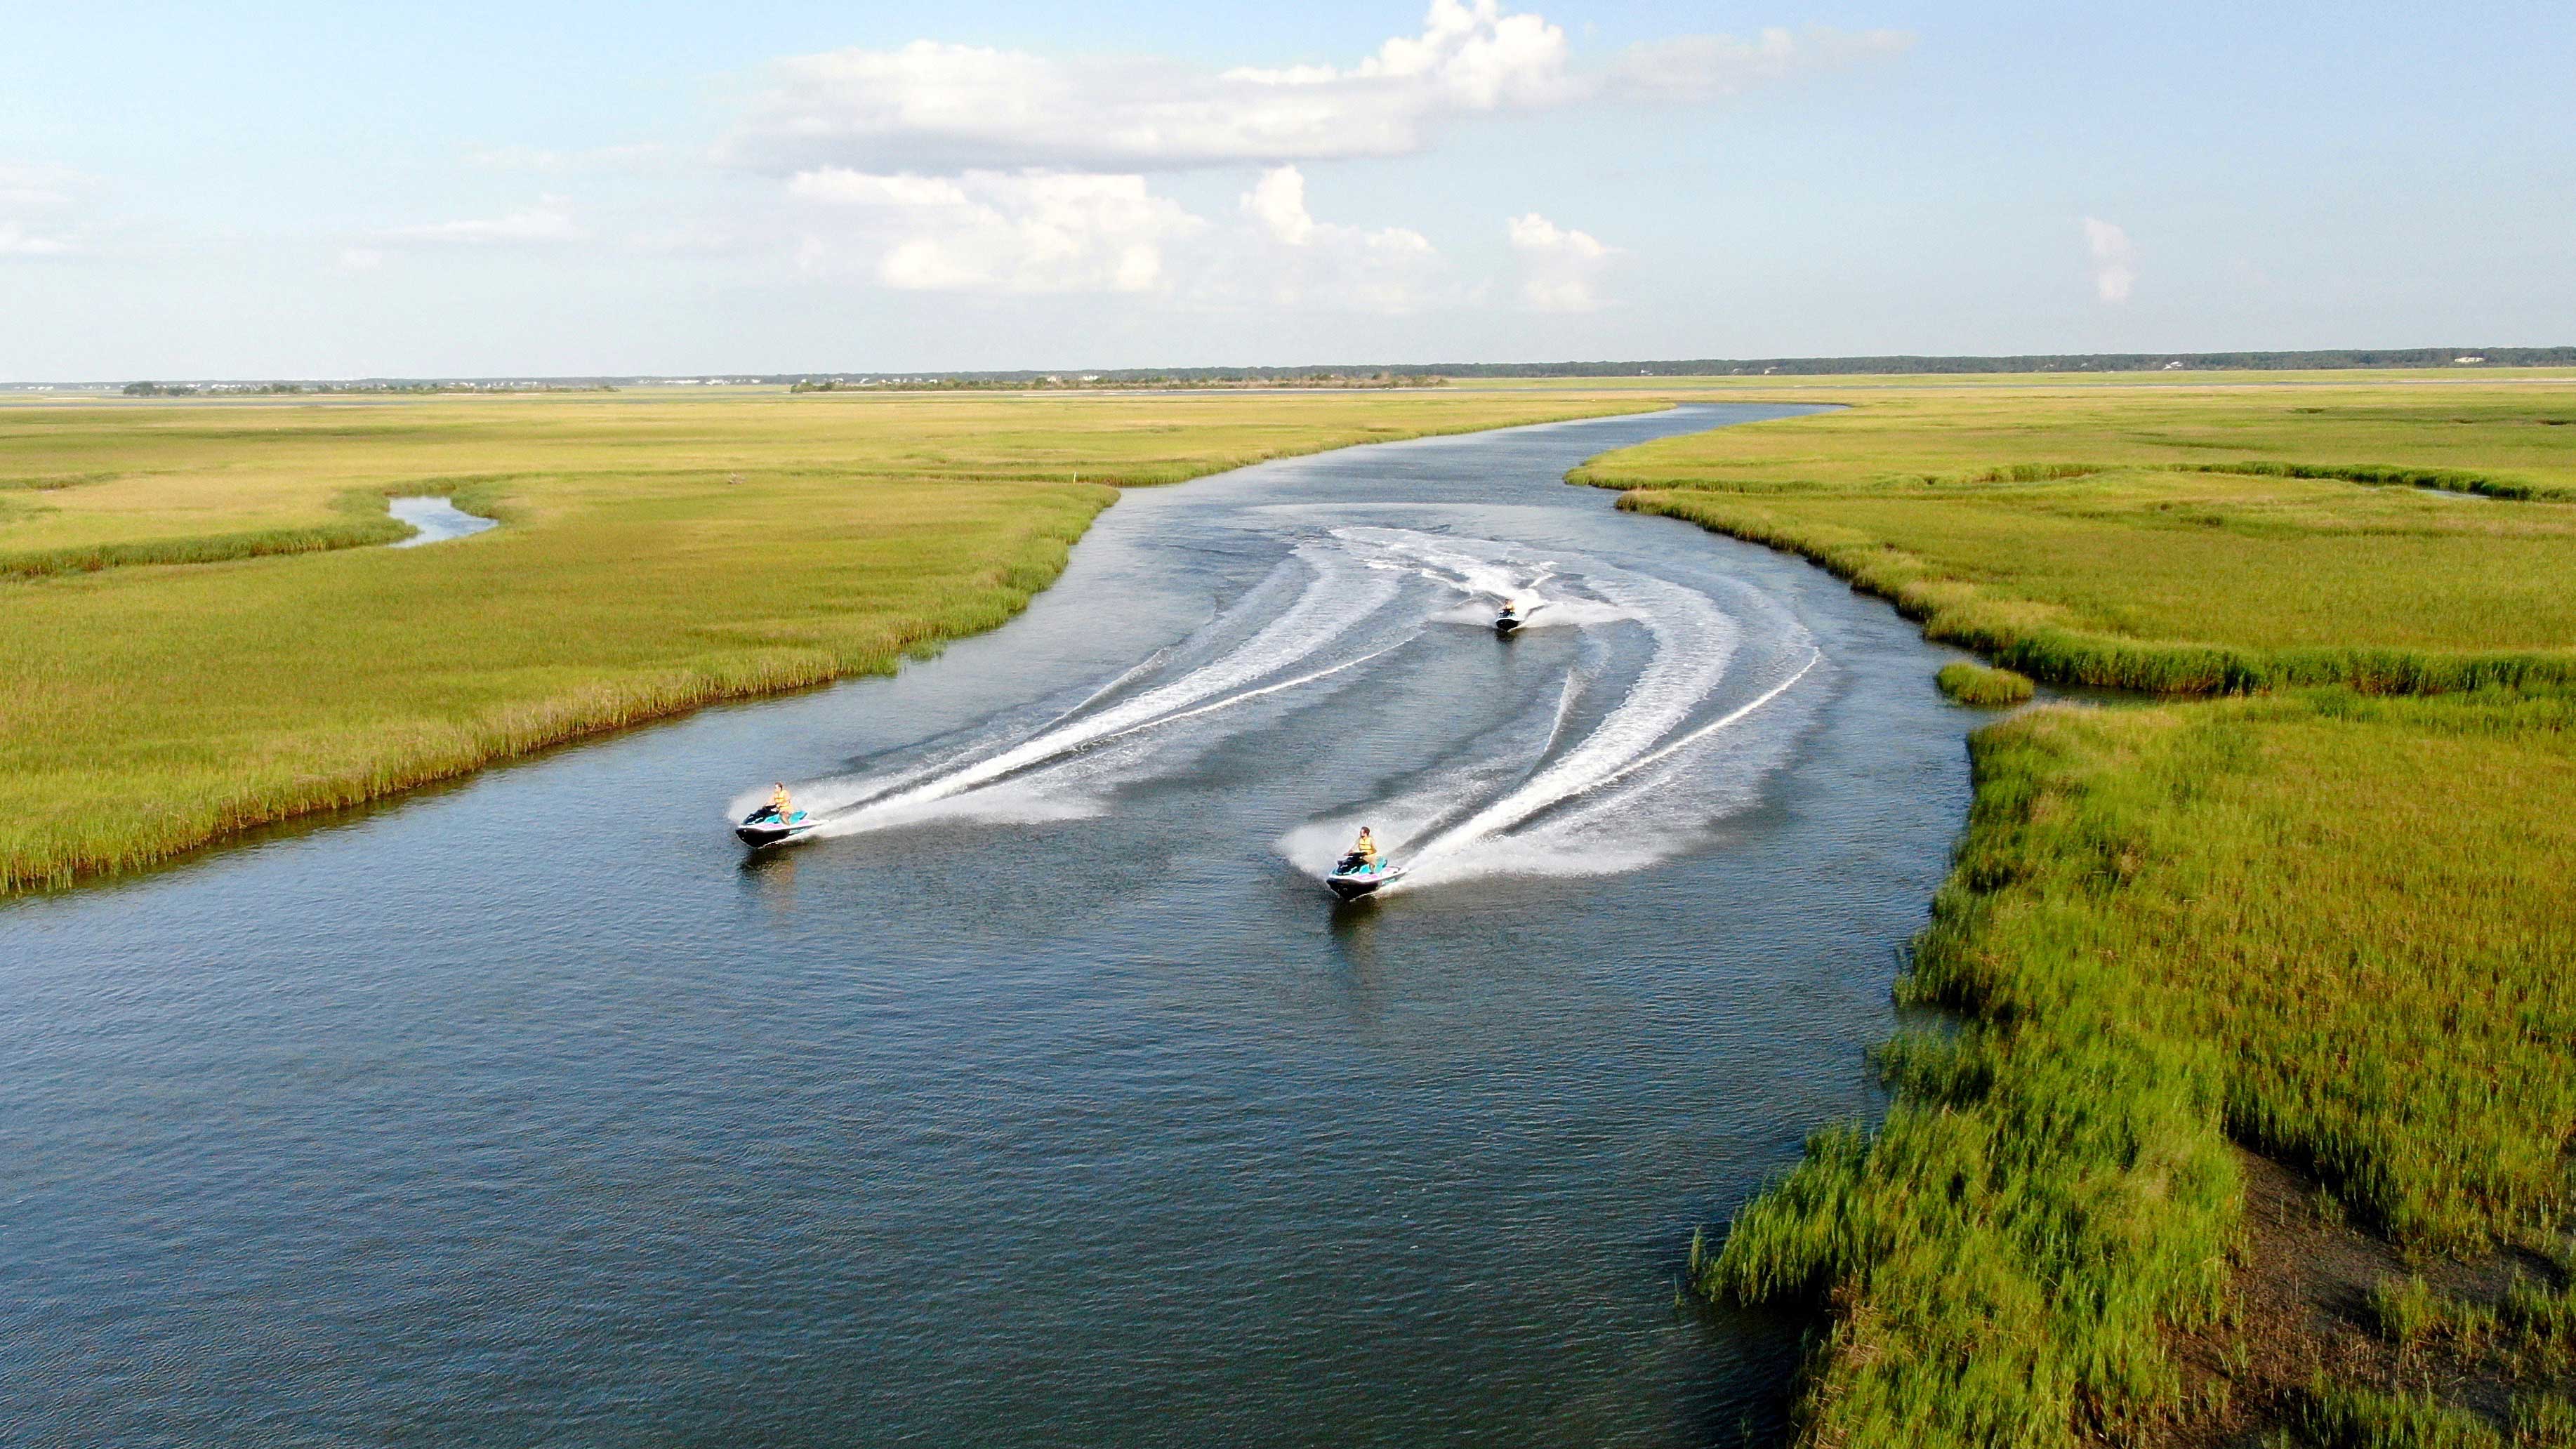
(1300, 260)
(1278, 203)
(1028, 232)
(946, 167)
(548, 221)
(942, 108)
(2115, 269)
(1055, 232)
(1560, 268)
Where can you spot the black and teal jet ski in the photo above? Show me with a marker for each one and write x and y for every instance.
(1509, 621)
(1358, 876)
(764, 826)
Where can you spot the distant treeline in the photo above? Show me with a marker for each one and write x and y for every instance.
(2035, 362)
(1174, 377)
(1336, 375)
(309, 389)
(1419, 374)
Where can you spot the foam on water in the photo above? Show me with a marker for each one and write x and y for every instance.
(1677, 706)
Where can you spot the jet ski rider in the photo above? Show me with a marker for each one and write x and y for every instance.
(1364, 849)
(779, 805)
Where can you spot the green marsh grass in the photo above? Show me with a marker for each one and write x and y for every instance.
(2334, 921)
(1982, 686)
(2169, 927)
(2543, 1421)
(2542, 1321)
(2089, 537)
(161, 685)
(2340, 1417)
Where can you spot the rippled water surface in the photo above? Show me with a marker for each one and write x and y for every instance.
(1044, 1097)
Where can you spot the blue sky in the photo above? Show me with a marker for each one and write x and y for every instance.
(563, 189)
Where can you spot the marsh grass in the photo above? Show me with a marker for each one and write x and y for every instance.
(2126, 581)
(2152, 567)
(2542, 1321)
(2543, 1421)
(2334, 1416)
(2330, 921)
(163, 683)
(1983, 687)
(365, 524)
(2169, 927)
(1931, 438)
(2409, 1312)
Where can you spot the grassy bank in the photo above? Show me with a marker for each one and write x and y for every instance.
(160, 684)
(2169, 928)
(2333, 926)
(1975, 684)
(2089, 538)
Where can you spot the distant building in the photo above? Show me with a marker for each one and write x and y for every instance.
(2468, 360)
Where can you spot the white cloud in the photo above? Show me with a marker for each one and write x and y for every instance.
(1036, 232)
(938, 108)
(1709, 67)
(1278, 203)
(986, 231)
(548, 221)
(1476, 56)
(1560, 268)
(1298, 260)
(2115, 268)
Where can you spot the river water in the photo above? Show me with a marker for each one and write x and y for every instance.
(1045, 1097)
(434, 520)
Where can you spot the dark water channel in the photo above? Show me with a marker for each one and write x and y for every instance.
(1046, 1098)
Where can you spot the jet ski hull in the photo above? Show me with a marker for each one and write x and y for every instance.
(1351, 885)
(1507, 627)
(763, 827)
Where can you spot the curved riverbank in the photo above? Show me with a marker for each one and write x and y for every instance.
(2310, 940)
(1065, 1063)
(778, 544)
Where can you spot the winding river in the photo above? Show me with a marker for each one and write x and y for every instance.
(1043, 1097)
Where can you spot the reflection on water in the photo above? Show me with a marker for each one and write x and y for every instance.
(1051, 1100)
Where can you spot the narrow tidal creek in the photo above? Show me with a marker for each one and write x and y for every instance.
(437, 519)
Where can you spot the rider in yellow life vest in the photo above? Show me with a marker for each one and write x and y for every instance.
(778, 801)
(1365, 847)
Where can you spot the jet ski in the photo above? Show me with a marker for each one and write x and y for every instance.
(763, 827)
(1358, 876)
(1509, 622)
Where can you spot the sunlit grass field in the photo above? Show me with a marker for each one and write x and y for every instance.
(655, 554)
(2334, 921)
(2332, 927)
(2160, 539)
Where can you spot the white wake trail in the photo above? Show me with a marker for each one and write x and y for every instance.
(1693, 640)
(1334, 602)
